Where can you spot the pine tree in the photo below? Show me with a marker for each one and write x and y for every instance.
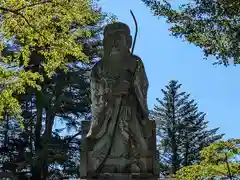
(182, 130)
(195, 134)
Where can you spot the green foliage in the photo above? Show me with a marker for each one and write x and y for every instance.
(211, 25)
(219, 160)
(61, 89)
(182, 129)
(49, 28)
(65, 97)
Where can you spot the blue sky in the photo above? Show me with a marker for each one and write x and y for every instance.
(215, 88)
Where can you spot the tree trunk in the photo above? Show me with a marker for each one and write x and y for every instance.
(174, 156)
(174, 140)
(186, 149)
(36, 168)
(48, 135)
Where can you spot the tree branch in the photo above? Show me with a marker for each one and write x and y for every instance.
(27, 6)
(228, 167)
(34, 4)
(16, 12)
(75, 135)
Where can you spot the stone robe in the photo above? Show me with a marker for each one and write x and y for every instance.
(118, 121)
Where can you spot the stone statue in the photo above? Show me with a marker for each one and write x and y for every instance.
(119, 105)
(121, 139)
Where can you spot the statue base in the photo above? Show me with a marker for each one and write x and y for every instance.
(148, 160)
(122, 176)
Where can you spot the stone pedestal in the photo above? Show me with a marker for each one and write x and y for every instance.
(150, 158)
(120, 176)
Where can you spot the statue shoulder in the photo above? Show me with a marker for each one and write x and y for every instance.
(138, 60)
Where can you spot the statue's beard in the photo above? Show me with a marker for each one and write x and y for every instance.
(115, 49)
(115, 52)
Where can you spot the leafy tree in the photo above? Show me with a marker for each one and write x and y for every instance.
(219, 160)
(46, 32)
(65, 97)
(63, 93)
(211, 25)
(182, 129)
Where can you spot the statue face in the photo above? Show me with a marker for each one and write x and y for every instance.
(116, 44)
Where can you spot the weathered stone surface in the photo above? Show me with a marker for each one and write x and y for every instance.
(123, 176)
(121, 139)
(149, 158)
(85, 125)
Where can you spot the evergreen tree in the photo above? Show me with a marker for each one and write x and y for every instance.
(182, 130)
(212, 25)
(194, 134)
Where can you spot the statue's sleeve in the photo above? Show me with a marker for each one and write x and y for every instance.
(97, 105)
(96, 96)
(141, 86)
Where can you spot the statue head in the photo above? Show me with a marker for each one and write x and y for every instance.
(117, 39)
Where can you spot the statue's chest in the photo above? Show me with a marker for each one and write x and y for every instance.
(109, 77)
(115, 74)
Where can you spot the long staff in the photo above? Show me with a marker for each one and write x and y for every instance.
(130, 150)
(136, 31)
